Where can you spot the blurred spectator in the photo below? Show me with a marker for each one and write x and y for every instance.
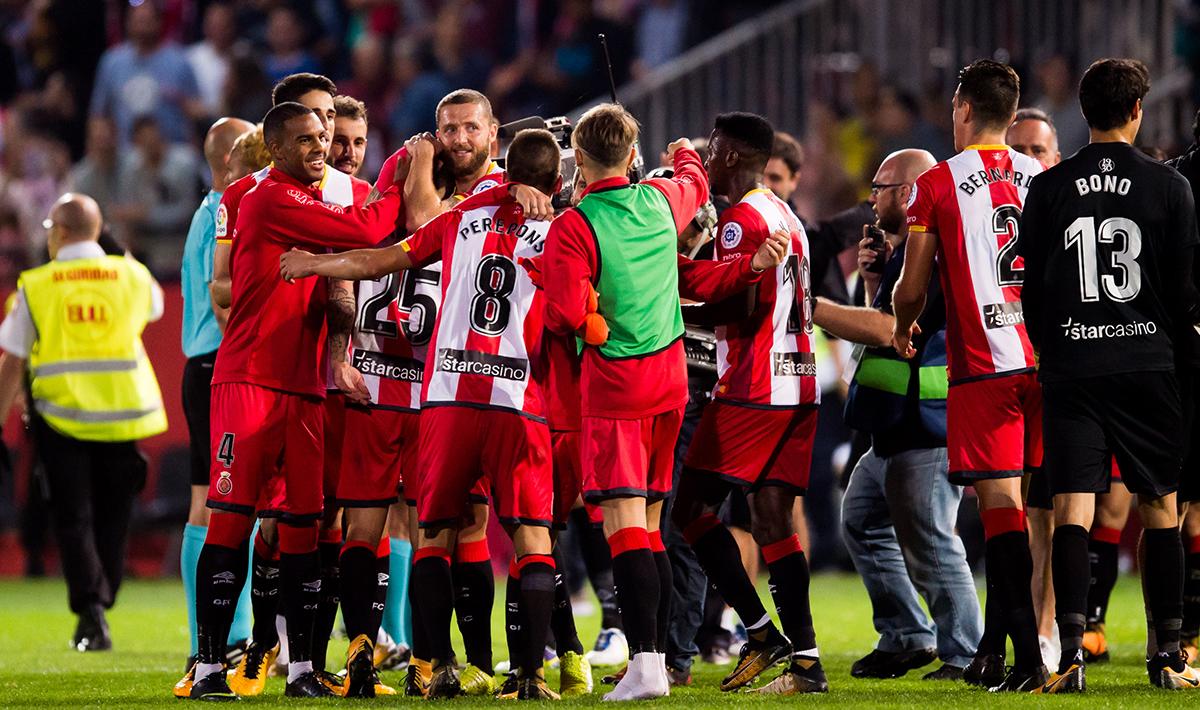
(855, 143)
(661, 33)
(157, 189)
(99, 171)
(368, 83)
(568, 69)
(145, 75)
(899, 124)
(32, 174)
(1059, 97)
(287, 38)
(247, 92)
(446, 63)
(782, 175)
(14, 253)
(211, 57)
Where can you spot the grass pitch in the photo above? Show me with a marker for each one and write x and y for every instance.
(38, 669)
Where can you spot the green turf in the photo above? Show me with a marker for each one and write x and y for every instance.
(38, 669)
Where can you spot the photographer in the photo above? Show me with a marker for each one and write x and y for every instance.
(900, 509)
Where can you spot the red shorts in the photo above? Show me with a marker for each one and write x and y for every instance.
(994, 427)
(335, 433)
(410, 475)
(568, 479)
(376, 445)
(755, 447)
(624, 458)
(267, 447)
(459, 445)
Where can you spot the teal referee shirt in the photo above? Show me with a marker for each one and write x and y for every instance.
(201, 334)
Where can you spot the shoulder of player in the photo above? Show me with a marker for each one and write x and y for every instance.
(485, 198)
(741, 223)
(1025, 163)
(238, 189)
(937, 177)
(361, 189)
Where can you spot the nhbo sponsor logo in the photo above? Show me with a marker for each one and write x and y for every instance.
(794, 364)
(467, 362)
(1003, 315)
(1082, 331)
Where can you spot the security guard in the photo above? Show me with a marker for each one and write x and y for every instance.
(77, 324)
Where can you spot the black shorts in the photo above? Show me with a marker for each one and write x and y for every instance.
(1189, 477)
(1136, 417)
(1037, 493)
(197, 387)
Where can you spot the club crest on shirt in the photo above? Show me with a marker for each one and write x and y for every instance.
(485, 185)
(731, 235)
(1106, 165)
(912, 195)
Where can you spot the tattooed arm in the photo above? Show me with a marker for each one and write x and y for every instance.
(340, 315)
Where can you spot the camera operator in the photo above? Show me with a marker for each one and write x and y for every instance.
(900, 508)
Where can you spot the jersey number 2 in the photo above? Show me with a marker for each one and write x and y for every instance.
(1006, 219)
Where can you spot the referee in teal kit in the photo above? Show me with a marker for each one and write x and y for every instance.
(203, 325)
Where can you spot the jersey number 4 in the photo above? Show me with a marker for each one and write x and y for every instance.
(1122, 239)
(225, 450)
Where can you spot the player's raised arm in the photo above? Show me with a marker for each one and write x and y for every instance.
(354, 265)
(708, 281)
(688, 188)
(421, 199)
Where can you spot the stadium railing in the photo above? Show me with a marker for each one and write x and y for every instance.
(778, 62)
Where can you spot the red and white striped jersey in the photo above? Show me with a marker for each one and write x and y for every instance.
(493, 177)
(487, 337)
(396, 316)
(973, 202)
(768, 359)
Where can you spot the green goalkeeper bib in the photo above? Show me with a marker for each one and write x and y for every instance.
(638, 275)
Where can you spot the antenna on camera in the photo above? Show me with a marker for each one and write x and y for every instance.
(612, 84)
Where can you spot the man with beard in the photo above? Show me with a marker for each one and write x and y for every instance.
(466, 131)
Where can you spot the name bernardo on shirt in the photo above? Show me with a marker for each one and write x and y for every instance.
(983, 178)
(465, 362)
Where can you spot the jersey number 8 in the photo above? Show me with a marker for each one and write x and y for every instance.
(495, 279)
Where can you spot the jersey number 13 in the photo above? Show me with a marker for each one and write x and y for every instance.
(1121, 240)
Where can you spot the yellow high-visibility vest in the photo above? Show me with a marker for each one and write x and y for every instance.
(90, 377)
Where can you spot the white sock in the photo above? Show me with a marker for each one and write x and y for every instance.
(297, 669)
(766, 619)
(204, 670)
(281, 631)
(807, 653)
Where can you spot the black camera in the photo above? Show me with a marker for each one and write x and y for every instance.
(561, 128)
